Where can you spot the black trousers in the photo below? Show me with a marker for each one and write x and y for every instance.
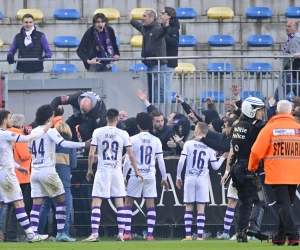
(246, 193)
(85, 128)
(285, 196)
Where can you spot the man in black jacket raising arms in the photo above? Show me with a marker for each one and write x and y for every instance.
(99, 41)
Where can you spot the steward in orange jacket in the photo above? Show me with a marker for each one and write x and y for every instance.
(278, 143)
(22, 157)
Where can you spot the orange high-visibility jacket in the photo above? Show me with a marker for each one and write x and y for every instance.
(22, 157)
(278, 143)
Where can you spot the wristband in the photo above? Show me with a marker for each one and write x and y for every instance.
(226, 171)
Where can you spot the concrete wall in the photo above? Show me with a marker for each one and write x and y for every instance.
(239, 27)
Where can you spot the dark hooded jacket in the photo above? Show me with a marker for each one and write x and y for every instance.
(186, 133)
(210, 115)
(164, 136)
(131, 127)
(172, 42)
(154, 44)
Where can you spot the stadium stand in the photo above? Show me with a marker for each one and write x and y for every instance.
(36, 13)
(66, 14)
(185, 13)
(220, 13)
(66, 42)
(1, 15)
(259, 13)
(118, 41)
(137, 41)
(115, 68)
(173, 99)
(64, 68)
(221, 41)
(260, 67)
(111, 14)
(217, 96)
(251, 93)
(260, 41)
(138, 67)
(293, 12)
(187, 41)
(219, 67)
(185, 68)
(137, 13)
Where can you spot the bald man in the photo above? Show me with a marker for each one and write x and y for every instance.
(88, 112)
(290, 47)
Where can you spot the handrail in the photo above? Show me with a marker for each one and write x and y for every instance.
(154, 58)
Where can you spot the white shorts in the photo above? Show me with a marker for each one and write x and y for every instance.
(232, 192)
(9, 186)
(108, 184)
(196, 191)
(136, 187)
(46, 184)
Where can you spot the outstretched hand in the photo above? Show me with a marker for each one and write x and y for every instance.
(141, 95)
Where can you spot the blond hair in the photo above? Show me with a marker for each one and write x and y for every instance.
(203, 127)
(64, 128)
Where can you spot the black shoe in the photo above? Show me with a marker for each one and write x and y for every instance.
(278, 240)
(256, 234)
(293, 240)
(241, 236)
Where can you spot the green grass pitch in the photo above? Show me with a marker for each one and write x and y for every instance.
(111, 244)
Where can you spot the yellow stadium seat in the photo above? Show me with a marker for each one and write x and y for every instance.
(137, 13)
(1, 43)
(220, 13)
(185, 68)
(37, 14)
(137, 41)
(111, 14)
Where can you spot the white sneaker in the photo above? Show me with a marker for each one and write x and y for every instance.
(43, 236)
(120, 238)
(233, 237)
(35, 238)
(92, 238)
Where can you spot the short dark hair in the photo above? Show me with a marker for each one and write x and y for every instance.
(99, 15)
(170, 11)
(27, 16)
(42, 114)
(144, 120)
(156, 113)
(3, 115)
(112, 115)
(230, 121)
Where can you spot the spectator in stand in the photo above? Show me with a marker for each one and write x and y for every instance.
(216, 125)
(295, 103)
(172, 42)
(296, 115)
(123, 115)
(23, 158)
(31, 44)
(99, 41)
(66, 159)
(235, 105)
(291, 46)
(154, 45)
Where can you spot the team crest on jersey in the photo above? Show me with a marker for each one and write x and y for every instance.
(13, 134)
(59, 136)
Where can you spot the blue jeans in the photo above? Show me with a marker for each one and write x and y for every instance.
(165, 72)
(46, 209)
(2, 213)
(287, 87)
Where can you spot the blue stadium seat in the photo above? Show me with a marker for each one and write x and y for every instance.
(118, 41)
(138, 67)
(251, 93)
(293, 12)
(221, 41)
(218, 96)
(115, 68)
(185, 13)
(289, 96)
(260, 67)
(173, 96)
(64, 68)
(187, 41)
(259, 13)
(219, 67)
(260, 41)
(66, 42)
(66, 14)
(1, 15)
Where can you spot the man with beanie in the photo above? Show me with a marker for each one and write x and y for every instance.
(209, 115)
(31, 44)
(216, 125)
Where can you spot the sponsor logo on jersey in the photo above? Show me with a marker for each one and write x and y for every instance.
(13, 134)
(59, 136)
